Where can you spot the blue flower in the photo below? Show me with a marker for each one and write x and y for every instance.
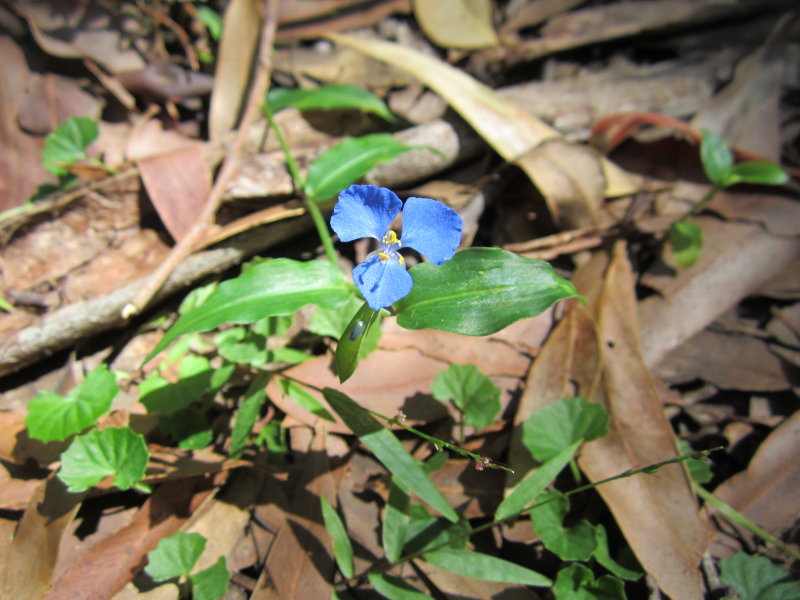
(429, 227)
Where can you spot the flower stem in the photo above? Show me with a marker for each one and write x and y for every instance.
(699, 205)
(300, 187)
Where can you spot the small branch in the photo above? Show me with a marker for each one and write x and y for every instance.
(229, 168)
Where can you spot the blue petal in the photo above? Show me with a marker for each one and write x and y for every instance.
(364, 211)
(431, 228)
(382, 282)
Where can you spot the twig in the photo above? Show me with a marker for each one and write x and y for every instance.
(229, 168)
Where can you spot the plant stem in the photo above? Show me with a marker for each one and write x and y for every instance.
(300, 186)
(738, 518)
(699, 205)
(648, 469)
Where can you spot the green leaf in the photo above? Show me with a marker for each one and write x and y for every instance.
(716, 158)
(248, 414)
(348, 351)
(211, 583)
(756, 578)
(485, 566)
(342, 548)
(165, 397)
(67, 143)
(576, 582)
(275, 287)
(758, 173)
(699, 469)
(212, 21)
(190, 428)
(175, 556)
(388, 449)
(54, 418)
(303, 398)
(99, 453)
(569, 543)
(243, 346)
(428, 531)
(329, 97)
(567, 420)
(534, 483)
(686, 240)
(332, 322)
(395, 522)
(347, 162)
(472, 392)
(395, 588)
(480, 291)
(603, 556)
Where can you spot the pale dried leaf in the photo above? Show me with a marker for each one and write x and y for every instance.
(237, 49)
(465, 24)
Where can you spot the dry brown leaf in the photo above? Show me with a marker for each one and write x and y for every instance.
(746, 113)
(465, 24)
(85, 30)
(598, 357)
(729, 361)
(178, 185)
(28, 561)
(622, 19)
(50, 99)
(571, 180)
(20, 154)
(508, 129)
(300, 561)
(113, 561)
(386, 382)
(240, 34)
(528, 14)
(737, 259)
(766, 492)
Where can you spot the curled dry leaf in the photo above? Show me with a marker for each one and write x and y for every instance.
(508, 129)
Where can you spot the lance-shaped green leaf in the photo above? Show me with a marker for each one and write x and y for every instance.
(67, 143)
(52, 417)
(275, 287)
(716, 157)
(485, 566)
(347, 162)
(113, 451)
(348, 351)
(329, 97)
(248, 414)
(480, 291)
(388, 449)
(342, 548)
(757, 173)
(395, 588)
(534, 483)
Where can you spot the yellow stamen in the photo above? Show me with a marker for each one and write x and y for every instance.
(383, 256)
(390, 239)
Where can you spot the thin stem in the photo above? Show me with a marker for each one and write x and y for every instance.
(300, 186)
(630, 473)
(738, 518)
(699, 205)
